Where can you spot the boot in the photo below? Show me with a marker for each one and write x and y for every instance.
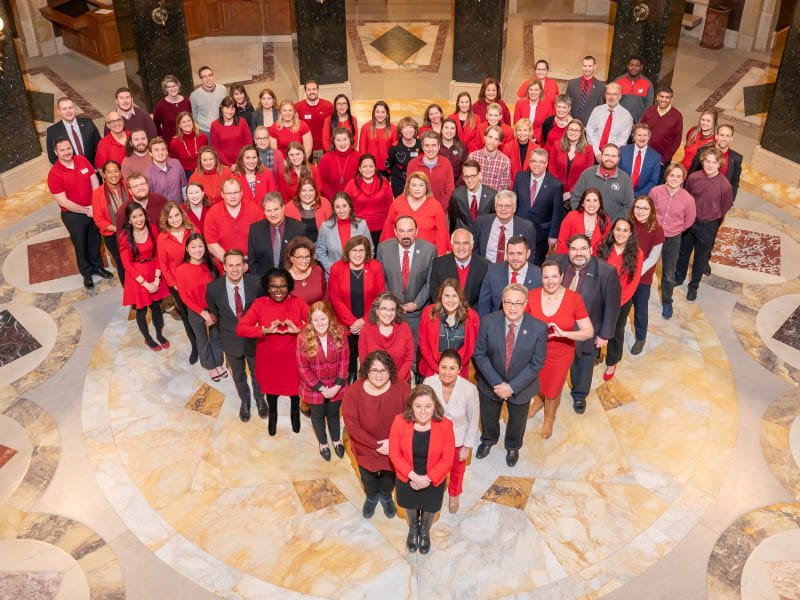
(535, 406)
(351, 377)
(261, 406)
(370, 502)
(388, 506)
(412, 541)
(272, 424)
(244, 411)
(425, 522)
(295, 413)
(550, 409)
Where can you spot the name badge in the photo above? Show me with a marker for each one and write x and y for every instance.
(413, 154)
(84, 171)
(306, 117)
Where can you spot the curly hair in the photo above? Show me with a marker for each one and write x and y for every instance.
(295, 244)
(307, 338)
(399, 314)
(418, 391)
(276, 273)
(629, 253)
(381, 356)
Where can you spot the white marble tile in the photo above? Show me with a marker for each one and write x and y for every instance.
(757, 578)
(769, 319)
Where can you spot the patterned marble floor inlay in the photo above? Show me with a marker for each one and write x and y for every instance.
(50, 260)
(789, 332)
(751, 250)
(15, 340)
(386, 46)
(786, 578)
(398, 44)
(510, 491)
(317, 494)
(6, 454)
(29, 585)
(728, 99)
(206, 400)
(613, 395)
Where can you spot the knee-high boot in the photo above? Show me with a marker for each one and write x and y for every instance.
(412, 541)
(425, 522)
(550, 409)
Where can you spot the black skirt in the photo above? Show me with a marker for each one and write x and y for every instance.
(430, 498)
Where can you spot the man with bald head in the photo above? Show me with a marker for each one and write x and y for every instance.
(112, 146)
(461, 264)
(609, 123)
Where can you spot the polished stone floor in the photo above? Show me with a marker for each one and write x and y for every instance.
(127, 474)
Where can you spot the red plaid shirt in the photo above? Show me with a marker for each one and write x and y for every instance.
(495, 171)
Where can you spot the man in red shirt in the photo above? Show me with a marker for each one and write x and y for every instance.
(313, 111)
(113, 145)
(437, 168)
(637, 90)
(228, 222)
(71, 181)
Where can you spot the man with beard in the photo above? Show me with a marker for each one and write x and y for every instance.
(139, 189)
(614, 184)
(666, 127)
(137, 158)
(516, 268)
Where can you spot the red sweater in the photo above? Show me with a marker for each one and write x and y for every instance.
(322, 214)
(628, 287)
(192, 281)
(336, 169)
(647, 240)
(441, 449)
(429, 341)
(228, 140)
(440, 176)
(666, 131)
(265, 183)
(288, 189)
(431, 222)
(557, 165)
(339, 288)
(378, 145)
(467, 134)
(371, 201)
(212, 182)
(399, 344)
(187, 148)
(572, 224)
(327, 135)
(171, 252)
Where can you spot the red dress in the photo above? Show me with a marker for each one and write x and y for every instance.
(145, 264)
(276, 365)
(560, 351)
(378, 145)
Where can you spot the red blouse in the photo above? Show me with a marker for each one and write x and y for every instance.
(378, 144)
(573, 223)
(171, 253)
(187, 148)
(628, 286)
(284, 135)
(228, 140)
(327, 136)
(399, 344)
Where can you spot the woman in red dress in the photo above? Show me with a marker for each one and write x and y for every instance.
(187, 143)
(340, 165)
(143, 284)
(290, 129)
(589, 218)
(230, 133)
(196, 205)
(467, 122)
(371, 194)
(256, 179)
(620, 249)
(309, 278)
(191, 279)
(275, 320)
(448, 323)
(322, 358)
(378, 135)
(308, 207)
(211, 173)
(386, 329)
(489, 93)
(297, 167)
(342, 117)
(699, 137)
(571, 156)
(534, 107)
(560, 309)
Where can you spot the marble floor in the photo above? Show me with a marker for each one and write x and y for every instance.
(126, 474)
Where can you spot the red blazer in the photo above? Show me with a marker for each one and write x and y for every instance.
(468, 135)
(557, 165)
(572, 224)
(265, 182)
(339, 288)
(322, 214)
(429, 341)
(441, 449)
(518, 163)
(522, 110)
(100, 209)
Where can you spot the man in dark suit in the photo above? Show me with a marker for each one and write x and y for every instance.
(461, 264)
(227, 308)
(640, 161)
(264, 248)
(517, 268)
(471, 200)
(509, 354)
(598, 284)
(586, 92)
(492, 232)
(546, 208)
(80, 131)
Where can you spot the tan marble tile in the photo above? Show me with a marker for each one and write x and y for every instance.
(206, 400)
(510, 491)
(318, 494)
(24, 202)
(613, 394)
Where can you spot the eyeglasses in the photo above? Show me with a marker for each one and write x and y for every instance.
(386, 309)
(302, 257)
(261, 139)
(378, 371)
(112, 121)
(466, 176)
(513, 304)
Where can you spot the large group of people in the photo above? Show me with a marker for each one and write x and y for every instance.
(407, 280)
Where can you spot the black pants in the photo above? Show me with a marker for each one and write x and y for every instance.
(86, 239)
(580, 374)
(700, 239)
(490, 422)
(352, 344)
(112, 245)
(208, 345)
(376, 238)
(540, 247)
(183, 311)
(669, 260)
(327, 411)
(239, 374)
(377, 483)
(617, 343)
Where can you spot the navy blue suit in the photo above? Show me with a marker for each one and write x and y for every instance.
(483, 229)
(546, 212)
(496, 279)
(648, 174)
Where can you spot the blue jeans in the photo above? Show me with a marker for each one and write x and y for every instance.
(640, 300)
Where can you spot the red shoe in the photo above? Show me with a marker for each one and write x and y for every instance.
(609, 376)
(164, 343)
(155, 348)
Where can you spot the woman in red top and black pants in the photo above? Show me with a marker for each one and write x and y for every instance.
(191, 278)
(421, 446)
(619, 249)
(650, 239)
(106, 201)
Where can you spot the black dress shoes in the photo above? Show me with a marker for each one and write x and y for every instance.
(483, 450)
(339, 449)
(579, 405)
(325, 453)
(104, 274)
(244, 411)
(512, 456)
(88, 283)
(691, 294)
(262, 406)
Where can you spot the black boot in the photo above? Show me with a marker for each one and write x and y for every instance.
(244, 411)
(272, 402)
(388, 506)
(369, 506)
(295, 413)
(261, 406)
(351, 377)
(425, 522)
(412, 541)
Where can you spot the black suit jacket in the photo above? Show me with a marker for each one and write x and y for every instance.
(734, 169)
(548, 210)
(89, 135)
(483, 227)
(459, 207)
(444, 267)
(217, 301)
(600, 292)
(596, 97)
(527, 358)
(259, 246)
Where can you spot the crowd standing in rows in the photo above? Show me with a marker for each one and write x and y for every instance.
(375, 273)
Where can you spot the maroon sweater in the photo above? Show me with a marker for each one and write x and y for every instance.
(713, 196)
(666, 131)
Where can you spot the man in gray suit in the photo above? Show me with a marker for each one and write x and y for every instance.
(407, 263)
(586, 92)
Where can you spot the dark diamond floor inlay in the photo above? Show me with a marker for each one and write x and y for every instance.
(789, 332)
(15, 341)
(53, 259)
(398, 44)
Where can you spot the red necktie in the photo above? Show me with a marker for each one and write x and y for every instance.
(501, 245)
(533, 190)
(463, 273)
(405, 270)
(606, 130)
(77, 137)
(514, 276)
(237, 301)
(473, 208)
(637, 166)
(509, 344)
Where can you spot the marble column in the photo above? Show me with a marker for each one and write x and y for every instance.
(782, 127)
(153, 49)
(321, 41)
(479, 29)
(654, 38)
(19, 141)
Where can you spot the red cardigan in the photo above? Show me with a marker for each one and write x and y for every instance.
(100, 209)
(440, 176)
(522, 110)
(572, 224)
(429, 341)
(228, 140)
(518, 163)
(322, 214)
(265, 183)
(339, 288)
(170, 254)
(441, 449)
(557, 165)
(399, 345)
